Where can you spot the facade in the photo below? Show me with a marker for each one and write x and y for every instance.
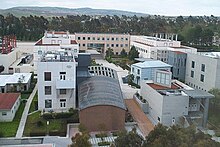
(56, 72)
(178, 61)
(101, 42)
(101, 104)
(146, 70)
(203, 70)
(9, 104)
(15, 82)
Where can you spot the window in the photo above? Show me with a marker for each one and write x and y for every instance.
(132, 69)
(84, 38)
(84, 44)
(48, 103)
(203, 67)
(78, 38)
(126, 38)
(47, 76)
(107, 38)
(40, 52)
(158, 118)
(98, 38)
(107, 45)
(126, 45)
(88, 38)
(103, 38)
(138, 71)
(4, 113)
(62, 103)
(93, 38)
(47, 90)
(202, 77)
(193, 64)
(192, 74)
(121, 45)
(62, 91)
(116, 39)
(116, 45)
(112, 45)
(113, 38)
(62, 75)
(122, 39)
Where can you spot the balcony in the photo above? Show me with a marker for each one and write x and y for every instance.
(65, 84)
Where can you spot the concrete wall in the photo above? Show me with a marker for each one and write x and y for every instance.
(7, 59)
(10, 113)
(102, 118)
(55, 68)
(212, 68)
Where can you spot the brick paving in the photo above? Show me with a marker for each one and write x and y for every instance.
(143, 122)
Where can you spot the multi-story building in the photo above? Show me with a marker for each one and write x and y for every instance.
(101, 42)
(146, 70)
(56, 71)
(203, 70)
(178, 61)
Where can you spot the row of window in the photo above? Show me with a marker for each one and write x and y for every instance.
(47, 76)
(195, 86)
(202, 77)
(108, 45)
(48, 103)
(48, 91)
(202, 66)
(103, 38)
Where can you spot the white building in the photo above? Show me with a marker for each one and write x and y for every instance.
(158, 47)
(147, 70)
(15, 82)
(9, 104)
(203, 70)
(56, 72)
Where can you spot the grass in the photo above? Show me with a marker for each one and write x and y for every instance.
(33, 103)
(25, 96)
(9, 129)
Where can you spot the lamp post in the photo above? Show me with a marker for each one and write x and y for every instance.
(47, 127)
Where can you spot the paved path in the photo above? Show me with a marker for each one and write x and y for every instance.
(25, 114)
(127, 91)
(143, 122)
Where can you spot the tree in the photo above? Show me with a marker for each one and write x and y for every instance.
(80, 140)
(133, 53)
(130, 139)
(123, 53)
(215, 102)
(109, 52)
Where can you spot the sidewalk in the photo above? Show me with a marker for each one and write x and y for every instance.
(25, 114)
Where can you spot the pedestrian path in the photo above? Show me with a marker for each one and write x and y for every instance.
(139, 116)
(25, 114)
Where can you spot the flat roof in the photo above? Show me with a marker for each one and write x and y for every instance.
(100, 90)
(197, 93)
(151, 63)
(7, 100)
(13, 79)
(144, 59)
(160, 87)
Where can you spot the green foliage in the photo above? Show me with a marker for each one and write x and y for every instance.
(82, 128)
(133, 53)
(80, 140)
(104, 143)
(123, 53)
(109, 53)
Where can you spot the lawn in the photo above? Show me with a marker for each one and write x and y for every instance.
(36, 125)
(9, 129)
(33, 103)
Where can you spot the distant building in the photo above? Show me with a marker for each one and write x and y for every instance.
(147, 70)
(101, 104)
(203, 70)
(9, 104)
(15, 82)
(101, 42)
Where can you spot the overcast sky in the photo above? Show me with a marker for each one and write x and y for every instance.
(158, 7)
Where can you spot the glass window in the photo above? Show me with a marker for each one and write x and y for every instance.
(138, 71)
(93, 38)
(203, 67)
(48, 103)
(62, 103)
(84, 44)
(126, 45)
(88, 38)
(4, 113)
(62, 91)
(116, 39)
(122, 39)
(126, 38)
(40, 52)
(78, 38)
(112, 45)
(117, 45)
(192, 73)
(113, 38)
(107, 38)
(202, 77)
(193, 64)
(103, 38)
(47, 76)
(98, 38)
(47, 90)
(121, 45)
(107, 45)
(84, 38)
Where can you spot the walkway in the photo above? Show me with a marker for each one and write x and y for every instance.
(143, 122)
(25, 114)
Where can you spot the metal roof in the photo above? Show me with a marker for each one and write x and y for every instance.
(151, 64)
(100, 90)
(196, 93)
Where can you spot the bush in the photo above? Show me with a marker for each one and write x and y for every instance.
(115, 133)
(104, 143)
(74, 115)
(101, 135)
(39, 123)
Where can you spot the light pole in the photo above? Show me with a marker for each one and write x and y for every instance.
(47, 128)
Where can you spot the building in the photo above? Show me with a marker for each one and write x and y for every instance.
(9, 104)
(147, 69)
(203, 70)
(178, 61)
(101, 42)
(52, 41)
(176, 103)
(101, 104)
(15, 82)
(56, 72)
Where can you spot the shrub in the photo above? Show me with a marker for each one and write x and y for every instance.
(39, 123)
(101, 135)
(104, 143)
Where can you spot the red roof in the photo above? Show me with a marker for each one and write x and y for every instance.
(159, 87)
(73, 42)
(7, 100)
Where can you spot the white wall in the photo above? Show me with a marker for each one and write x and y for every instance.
(7, 59)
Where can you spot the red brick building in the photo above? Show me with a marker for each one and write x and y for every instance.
(101, 104)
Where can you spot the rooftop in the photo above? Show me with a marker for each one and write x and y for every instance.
(7, 100)
(100, 90)
(58, 56)
(151, 64)
(160, 87)
(211, 54)
(15, 78)
(197, 93)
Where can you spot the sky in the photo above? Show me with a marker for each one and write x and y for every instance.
(154, 7)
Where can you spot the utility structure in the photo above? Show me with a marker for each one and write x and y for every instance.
(8, 42)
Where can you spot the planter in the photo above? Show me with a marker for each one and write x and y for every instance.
(144, 106)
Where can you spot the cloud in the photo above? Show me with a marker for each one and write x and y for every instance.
(161, 7)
